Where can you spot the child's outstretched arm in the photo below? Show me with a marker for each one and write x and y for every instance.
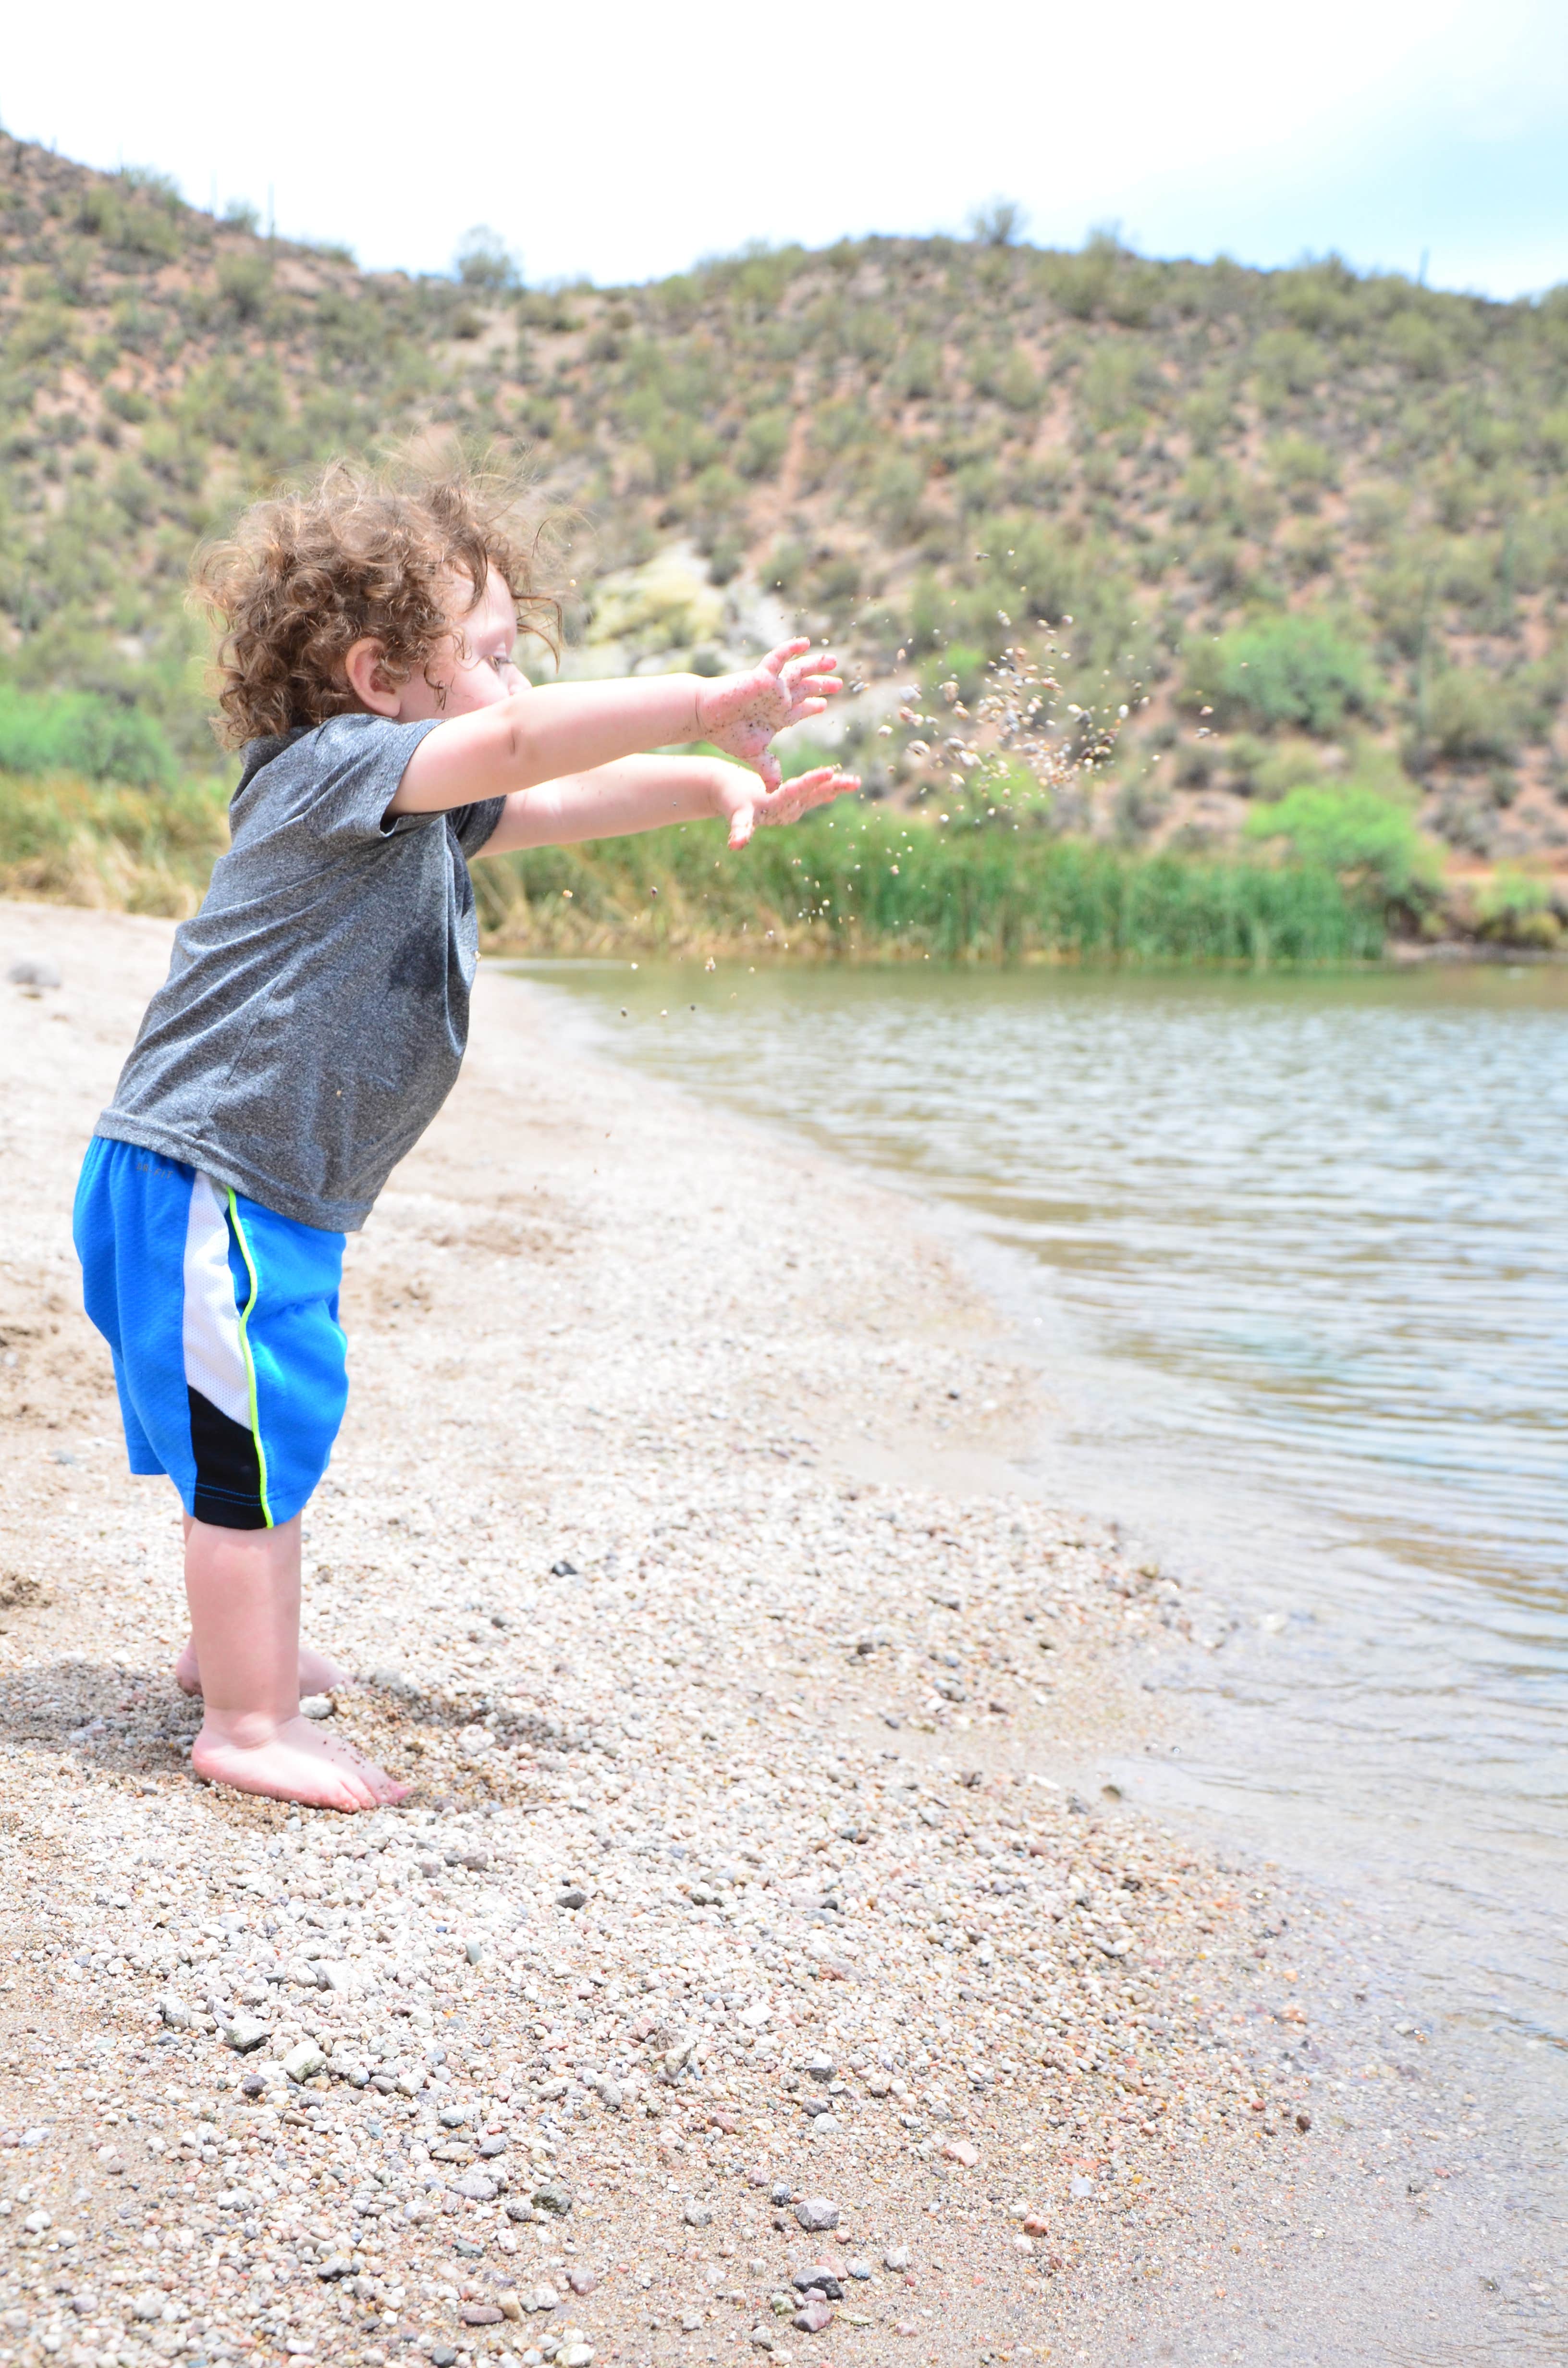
(646, 793)
(514, 744)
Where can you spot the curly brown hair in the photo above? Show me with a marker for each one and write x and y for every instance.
(360, 553)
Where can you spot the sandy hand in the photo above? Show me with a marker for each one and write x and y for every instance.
(744, 806)
(741, 712)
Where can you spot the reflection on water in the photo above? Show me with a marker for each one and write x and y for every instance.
(1295, 1254)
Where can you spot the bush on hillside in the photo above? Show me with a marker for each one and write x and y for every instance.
(1351, 830)
(1467, 719)
(1281, 671)
(76, 732)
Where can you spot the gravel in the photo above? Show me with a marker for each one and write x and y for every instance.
(634, 1469)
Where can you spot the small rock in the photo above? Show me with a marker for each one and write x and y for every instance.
(575, 1897)
(453, 2117)
(302, 2063)
(780, 2193)
(481, 2314)
(175, 2013)
(442, 2354)
(820, 2067)
(114, 2164)
(690, 2321)
(861, 2269)
(813, 2318)
(245, 2035)
(489, 2148)
(698, 2215)
(148, 2304)
(573, 2355)
(476, 2187)
(473, 1950)
(1303, 2123)
(1035, 2224)
(1082, 2185)
(336, 2265)
(961, 2150)
(316, 1706)
(551, 2197)
(896, 2258)
(582, 2282)
(762, 2337)
(822, 2281)
(33, 973)
(815, 2211)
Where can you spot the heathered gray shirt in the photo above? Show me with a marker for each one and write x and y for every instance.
(316, 1013)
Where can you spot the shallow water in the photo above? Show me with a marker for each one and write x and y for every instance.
(1293, 1255)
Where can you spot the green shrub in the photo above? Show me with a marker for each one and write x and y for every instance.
(243, 282)
(485, 263)
(1516, 909)
(75, 732)
(1468, 717)
(1302, 467)
(917, 374)
(898, 490)
(764, 442)
(1286, 363)
(1350, 830)
(1282, 671)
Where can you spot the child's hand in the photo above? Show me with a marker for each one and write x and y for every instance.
(741, 712)
(744, 806)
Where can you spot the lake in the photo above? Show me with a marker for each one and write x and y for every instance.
(1293, 1256)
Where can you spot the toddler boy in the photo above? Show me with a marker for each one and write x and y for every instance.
(316, 1011)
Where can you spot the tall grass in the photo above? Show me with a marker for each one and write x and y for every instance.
(867, 886)
(98, 843)
(875, 887)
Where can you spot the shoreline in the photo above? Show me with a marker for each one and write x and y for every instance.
(692, 1811)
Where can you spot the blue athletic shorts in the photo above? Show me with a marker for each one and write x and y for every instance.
(222, 1321)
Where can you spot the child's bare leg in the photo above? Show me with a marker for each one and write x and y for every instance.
(317, 1674)
(244, 1590)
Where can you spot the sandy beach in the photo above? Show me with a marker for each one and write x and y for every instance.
(761, 1967)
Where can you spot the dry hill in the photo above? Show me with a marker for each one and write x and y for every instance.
(1317, 521)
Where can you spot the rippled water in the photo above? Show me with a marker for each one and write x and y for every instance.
(1294, 1256)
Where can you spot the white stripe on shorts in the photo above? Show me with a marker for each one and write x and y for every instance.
(214, 1359)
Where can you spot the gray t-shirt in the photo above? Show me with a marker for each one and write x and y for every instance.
(316, 1013)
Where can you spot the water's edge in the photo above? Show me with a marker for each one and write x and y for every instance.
(1256, 1698)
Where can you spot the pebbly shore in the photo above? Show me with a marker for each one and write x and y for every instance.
(762, 1968)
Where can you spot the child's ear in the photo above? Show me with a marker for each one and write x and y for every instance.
(369, 681)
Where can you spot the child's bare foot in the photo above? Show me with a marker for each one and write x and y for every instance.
(317, 1674)
(293, 1761)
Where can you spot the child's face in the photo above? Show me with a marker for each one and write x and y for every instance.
(473, 669)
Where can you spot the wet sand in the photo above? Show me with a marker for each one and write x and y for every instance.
(760, 1855)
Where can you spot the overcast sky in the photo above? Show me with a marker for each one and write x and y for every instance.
(614, 141)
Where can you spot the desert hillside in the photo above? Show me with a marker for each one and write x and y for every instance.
(1310, 528)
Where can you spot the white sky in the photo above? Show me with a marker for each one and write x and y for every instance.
(622, 142)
